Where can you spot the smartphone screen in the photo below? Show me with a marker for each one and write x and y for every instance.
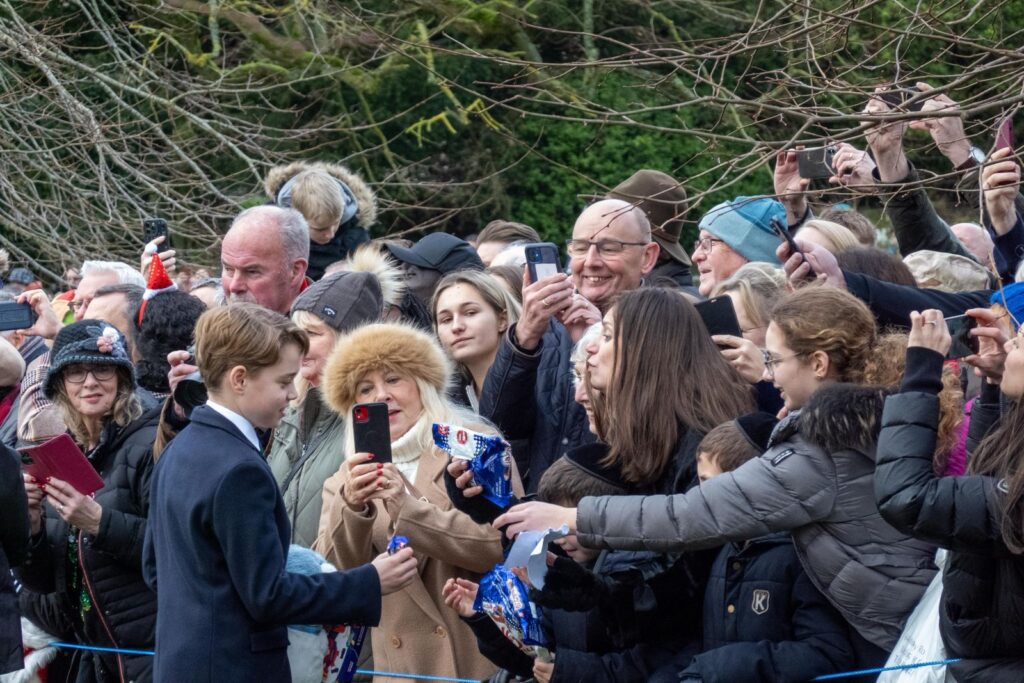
(815, 164)
(371, 430)
(542, 260)
(963, 343)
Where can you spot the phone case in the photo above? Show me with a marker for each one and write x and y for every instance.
(60, 457)
(719, 316)
(1004, 134)
(371, 430)
(814, 164)
(542, 260)
(153, 228)
(15, 316)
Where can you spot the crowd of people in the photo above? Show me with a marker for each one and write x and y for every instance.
(773, 505)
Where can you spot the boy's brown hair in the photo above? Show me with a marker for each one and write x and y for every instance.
(242, 334)
(727, 446)
(566, 483)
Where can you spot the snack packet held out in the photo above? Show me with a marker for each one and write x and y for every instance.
(489, 457)
(505, 599)
(397, 543)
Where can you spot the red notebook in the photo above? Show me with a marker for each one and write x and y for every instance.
(61, 457)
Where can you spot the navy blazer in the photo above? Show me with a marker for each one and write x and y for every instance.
(215, 553)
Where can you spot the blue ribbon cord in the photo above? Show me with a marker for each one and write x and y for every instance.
(425, 677)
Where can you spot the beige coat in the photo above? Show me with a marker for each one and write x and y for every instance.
(418, 633)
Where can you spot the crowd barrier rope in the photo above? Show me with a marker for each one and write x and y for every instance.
(426, 677)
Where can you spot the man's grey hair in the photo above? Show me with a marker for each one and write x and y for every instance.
(126, 275)
(293, 226)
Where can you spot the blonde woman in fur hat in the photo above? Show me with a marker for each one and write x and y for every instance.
(365, 503)
(338, 205)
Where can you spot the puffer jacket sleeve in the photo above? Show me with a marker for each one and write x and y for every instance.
(122, 534)
(792, 484)
(633, 665)
(14, 532)
(957, 513)
(984, 415)
(507, 398)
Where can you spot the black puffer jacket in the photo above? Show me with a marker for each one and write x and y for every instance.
(532, 396)
(13, 544)
(123, 609)
(982, 613)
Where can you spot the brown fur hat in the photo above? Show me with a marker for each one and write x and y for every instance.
(382, 346)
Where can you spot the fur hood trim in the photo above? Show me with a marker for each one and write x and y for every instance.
(369, 258)
(383, 346)
(844, 416)
(365, 198)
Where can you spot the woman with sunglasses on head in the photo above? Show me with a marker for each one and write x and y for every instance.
(88, 549)
(815, 480)
(978, 517)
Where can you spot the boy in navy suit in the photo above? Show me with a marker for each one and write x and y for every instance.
(218, 531)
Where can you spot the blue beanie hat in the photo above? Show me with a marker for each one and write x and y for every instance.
(745, 225)
(1014, 303)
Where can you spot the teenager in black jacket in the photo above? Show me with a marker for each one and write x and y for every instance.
(979, 517)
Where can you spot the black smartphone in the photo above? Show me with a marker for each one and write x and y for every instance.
(964, 343)
(542, 260)
(780, 229)
(15, 316)
(371, 430)
(815, 163)
(898, 95)
(153, 228)
(719, 316)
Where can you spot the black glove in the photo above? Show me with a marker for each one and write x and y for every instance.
(479, 509)
(569, 586)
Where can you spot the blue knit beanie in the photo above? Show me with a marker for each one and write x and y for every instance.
(745, 225)
(1014, 303)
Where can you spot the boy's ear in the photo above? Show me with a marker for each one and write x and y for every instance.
(235, 379)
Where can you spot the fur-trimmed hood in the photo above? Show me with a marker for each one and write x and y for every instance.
(369, 258)
(844, 416)
(383, 346)
(365, 198)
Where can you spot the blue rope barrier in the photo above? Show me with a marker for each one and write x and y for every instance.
(866, 672)
(426, 677)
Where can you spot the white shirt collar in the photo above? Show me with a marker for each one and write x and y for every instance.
(243, 425)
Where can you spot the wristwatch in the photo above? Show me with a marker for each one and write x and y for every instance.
(976, 157)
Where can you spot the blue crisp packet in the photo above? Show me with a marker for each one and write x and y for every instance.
(397, 543)
(490, 459)
(505, 599)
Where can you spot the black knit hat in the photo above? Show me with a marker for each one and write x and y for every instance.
(343, 300)
(80, 343)
(757, 427)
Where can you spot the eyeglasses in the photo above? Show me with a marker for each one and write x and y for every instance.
(605, 248)
(76, 374)
(771, 361)
(78, 303)
(705, 244)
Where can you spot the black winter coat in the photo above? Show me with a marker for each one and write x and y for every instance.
(14, 531)
(123, 610)
(531, 396)
(764, 621)
(982, 614)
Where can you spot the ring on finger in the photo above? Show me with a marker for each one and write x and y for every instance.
(547, 304)
(931, 322)
(60, 507)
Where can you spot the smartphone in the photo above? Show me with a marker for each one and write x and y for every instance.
(153, 228)
(1004, 134)
(719, 316)
(542, 260)
(371, 430)
(816, 163)
(897, 97)
(964, 344)
(783, 233)
(15, 316)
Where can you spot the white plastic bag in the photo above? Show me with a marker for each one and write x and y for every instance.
(920, 640)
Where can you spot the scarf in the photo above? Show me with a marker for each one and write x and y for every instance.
(407, 450)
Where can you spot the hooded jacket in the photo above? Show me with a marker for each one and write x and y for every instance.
(351, 233)
(123, 608)
(816, 481)
(981, 618)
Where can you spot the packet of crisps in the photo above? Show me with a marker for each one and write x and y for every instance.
(489, 457)
(505, 599)
(397, 543)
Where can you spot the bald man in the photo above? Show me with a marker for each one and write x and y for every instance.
(264, 257)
